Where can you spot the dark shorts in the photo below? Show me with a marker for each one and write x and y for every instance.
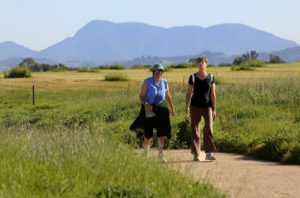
(161, 122)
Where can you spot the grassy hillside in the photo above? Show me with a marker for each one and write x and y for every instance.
(75, 142)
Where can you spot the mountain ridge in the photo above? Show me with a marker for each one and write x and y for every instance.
(101, 41)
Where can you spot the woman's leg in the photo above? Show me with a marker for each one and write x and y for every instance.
(147, 142)
(209, 145)
(195, 120)
(148, 135)
(160, 143)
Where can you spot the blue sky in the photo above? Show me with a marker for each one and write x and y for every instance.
(38, 24)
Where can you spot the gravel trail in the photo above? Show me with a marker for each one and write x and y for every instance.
(239, 175)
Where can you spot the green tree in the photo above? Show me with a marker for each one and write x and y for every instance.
(252, 55)
(28, 62)
(238, 61)
(274, 59)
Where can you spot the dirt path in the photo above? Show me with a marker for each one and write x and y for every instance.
(238, 175)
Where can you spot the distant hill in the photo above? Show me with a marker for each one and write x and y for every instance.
(101, 42)
(10, 49)
(215, 58)
(290, 54)
(9, 62)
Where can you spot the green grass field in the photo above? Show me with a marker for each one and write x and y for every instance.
(75, 141)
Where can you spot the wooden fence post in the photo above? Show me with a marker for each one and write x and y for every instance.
(33, 96)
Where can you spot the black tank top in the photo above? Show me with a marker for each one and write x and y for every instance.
(201, 93)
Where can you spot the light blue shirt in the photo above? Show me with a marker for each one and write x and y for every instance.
(156, 92)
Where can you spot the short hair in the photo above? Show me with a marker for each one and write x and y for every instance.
(202, 58)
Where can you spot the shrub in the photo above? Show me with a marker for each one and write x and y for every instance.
(184, 135)
(121, 191)
(114, 67)
(274, 59)
(248, 65)
(78, 119)
(225, 65)
(94, 69)
(18, 72)
(168, 69)
(117, 67)
(83, 69)
(241, 68)
(87, 69)
(281, 146)
(140, 66)
(254, 63)
(183, 65)
(179, 66)
(116, 77)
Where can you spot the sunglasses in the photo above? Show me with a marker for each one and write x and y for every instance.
(159, 70)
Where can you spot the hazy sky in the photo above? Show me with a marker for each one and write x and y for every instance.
(37, 24)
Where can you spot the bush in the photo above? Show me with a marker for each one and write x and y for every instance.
(179, 66)
(184, 134)
(281, 146)
(78, 119)
(225, 65)
(116, 77)
(121, 191)
(87, 69)
(18, 72)
(113, 67)
(275, 59)
(183, 65)
(241, 68)
(140, 66)
(168, 69)
(248, 65)
(117, 67)
(83, 69)
(254, 63)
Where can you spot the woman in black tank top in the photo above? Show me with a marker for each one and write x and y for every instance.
(201, 102)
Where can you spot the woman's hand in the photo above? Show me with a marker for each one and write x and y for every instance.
(148, 108)
(173, 112)
(214, 114)
(187, 110)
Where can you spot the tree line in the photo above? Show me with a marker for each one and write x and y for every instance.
(252, 55)
(241, 60)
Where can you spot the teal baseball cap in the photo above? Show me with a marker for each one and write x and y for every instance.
(158, 67)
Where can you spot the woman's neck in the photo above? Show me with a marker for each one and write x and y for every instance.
(156, 79)
(202, 72)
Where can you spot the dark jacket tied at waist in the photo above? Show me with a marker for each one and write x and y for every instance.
(162, 118)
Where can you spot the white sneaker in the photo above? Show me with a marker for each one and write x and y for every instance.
(196, 158)
(146, 150)
(162, 158)
(209, 157)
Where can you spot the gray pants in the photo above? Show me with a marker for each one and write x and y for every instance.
(196, 114)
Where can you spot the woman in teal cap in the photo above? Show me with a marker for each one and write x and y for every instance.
(155, 96)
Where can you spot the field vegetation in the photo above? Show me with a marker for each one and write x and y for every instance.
(18, 72)
(75, 141)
